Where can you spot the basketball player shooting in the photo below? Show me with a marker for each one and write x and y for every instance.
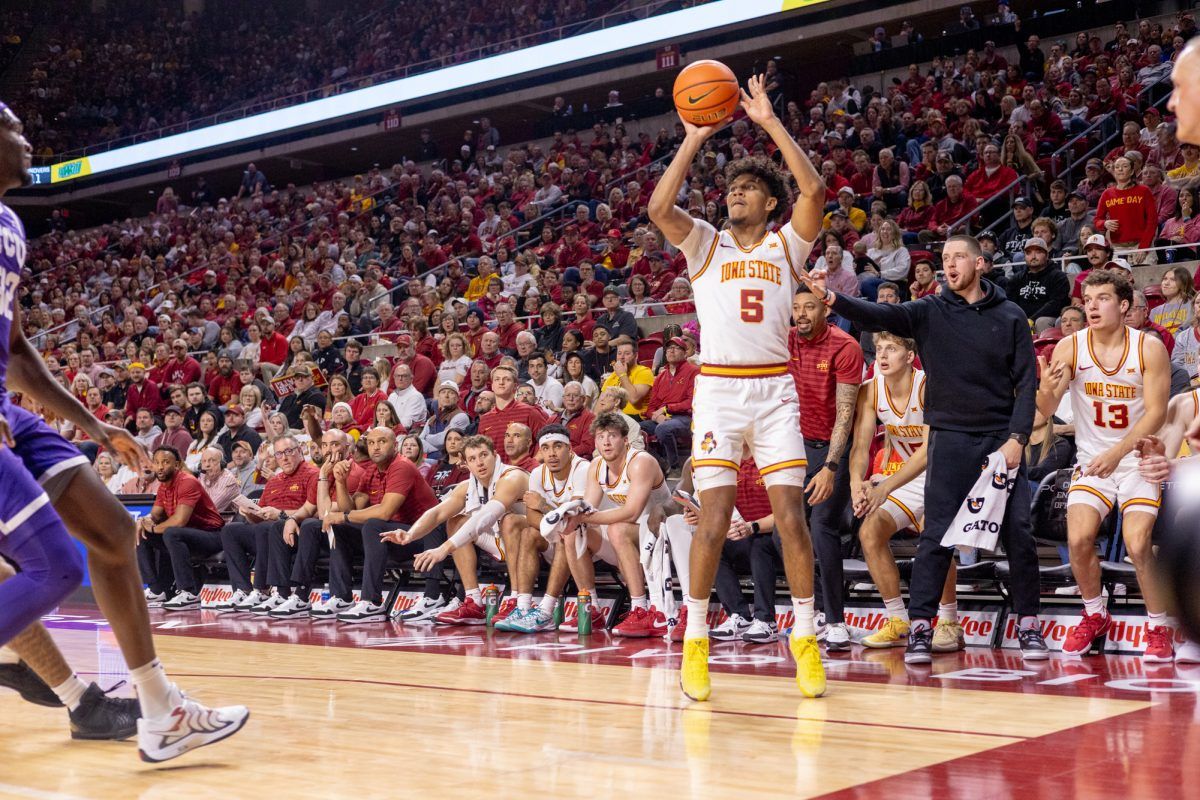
(743, 280)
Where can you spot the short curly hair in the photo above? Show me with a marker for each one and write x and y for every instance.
(770, 174)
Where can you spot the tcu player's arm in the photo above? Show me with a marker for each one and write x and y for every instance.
(673, 221)
(1181, 411)
(1054, 377)
(450, 507)
(644, 473)
(28, 373)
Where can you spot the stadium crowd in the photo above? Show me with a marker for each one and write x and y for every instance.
(280, 329)
(114, 73)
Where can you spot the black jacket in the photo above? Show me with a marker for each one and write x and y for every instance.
(227, 439)
(982, 375)
(1041, 294)
(293, 404)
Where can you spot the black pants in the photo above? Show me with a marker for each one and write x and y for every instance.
(955, 460)
(758, 555)
(155, 564)
(184, 544)
(243, 542)
(377, 553)
(347, 549)
(296, 565)
(826, 522)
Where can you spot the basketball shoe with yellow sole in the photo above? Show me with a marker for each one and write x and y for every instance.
(810, 674)
(894, 633)
(693, 674)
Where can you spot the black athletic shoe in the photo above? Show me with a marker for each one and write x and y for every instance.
(1033, 645)
(102, 717)
(920, 646)
(25, 682)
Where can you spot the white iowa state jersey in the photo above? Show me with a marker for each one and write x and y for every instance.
(903, 418)
(616, 489)
(1105, 403)
(478, 495)
(743, 295)
(556, 492)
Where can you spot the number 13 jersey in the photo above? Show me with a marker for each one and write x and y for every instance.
(743, 295)
(1106, 403)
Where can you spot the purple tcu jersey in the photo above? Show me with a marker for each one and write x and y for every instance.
(12, 260)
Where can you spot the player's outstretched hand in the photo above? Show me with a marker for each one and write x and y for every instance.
(814, 280)
(1051, 375)
(429, 559)
(1153, 463)
(120, 441)
(701, 133)
(755, 101)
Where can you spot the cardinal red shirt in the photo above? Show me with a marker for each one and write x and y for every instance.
(818, 365)
(185, 489)
(751, 500)
(494, 423)
(1135, 211)
(398, 477)
(289, 492)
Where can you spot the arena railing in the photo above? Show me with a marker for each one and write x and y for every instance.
(963, 224)
(259, 106)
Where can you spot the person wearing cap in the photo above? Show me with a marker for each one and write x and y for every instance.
(243, 467)
(1042, 290)
(856, 217)
(424, 373)
(181, 369)
(446, 417)
(225, 386)
(1098, 253)
(1078, 217)
(612, 257)
(173, 434)
(620, 324)
(236, 431)
(1011, 243)
(113, 389)
(303, 393)
(1128, 214)
(669, 408)
(1094, 181)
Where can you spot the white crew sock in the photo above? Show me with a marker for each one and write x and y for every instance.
(1156, 620)
(948, 612)
(548, 603)
(1095, 605)
(153, 689)
(641, 601)
(697, 621)
(803, 609)
(895, 608)
(70, 691)
(476, 595)
(524, 602)
(9, 656)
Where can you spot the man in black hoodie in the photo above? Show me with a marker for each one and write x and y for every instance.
(1043, 289)
(980, 395)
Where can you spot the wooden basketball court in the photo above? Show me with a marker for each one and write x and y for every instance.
(387, 710)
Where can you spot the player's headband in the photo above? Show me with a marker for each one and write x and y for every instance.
(554, 436)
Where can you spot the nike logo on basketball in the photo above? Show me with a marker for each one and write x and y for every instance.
(694, 100)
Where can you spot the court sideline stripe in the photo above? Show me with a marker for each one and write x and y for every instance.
(627, 704)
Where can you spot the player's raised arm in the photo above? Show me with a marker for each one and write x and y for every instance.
(673, 221)
(807, 211)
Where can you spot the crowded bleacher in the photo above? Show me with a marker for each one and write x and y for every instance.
(218, 324)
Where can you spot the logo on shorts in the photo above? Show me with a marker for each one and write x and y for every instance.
(708, 443)
(975, 504)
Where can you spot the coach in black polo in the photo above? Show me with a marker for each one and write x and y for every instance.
(977, 352)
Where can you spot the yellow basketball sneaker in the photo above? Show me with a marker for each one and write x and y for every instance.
(810, 674)
(693, 674)
(894, 633)
(948, 637)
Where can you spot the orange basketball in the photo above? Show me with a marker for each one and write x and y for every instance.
(706, 92)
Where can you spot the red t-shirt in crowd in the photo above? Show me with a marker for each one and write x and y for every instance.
(223, 388)
(580, 428)
(273, 349)
(817, 366)
(398, 477)
(494, 423)
(289, 492)
(185, 489)
(183, 372)
(1136, 213)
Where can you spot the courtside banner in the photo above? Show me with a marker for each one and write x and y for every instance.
(1126, 636)
(393, 94)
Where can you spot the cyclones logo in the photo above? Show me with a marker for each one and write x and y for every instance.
(709, 443)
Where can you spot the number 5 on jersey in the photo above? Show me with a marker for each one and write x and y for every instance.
(752, 305)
